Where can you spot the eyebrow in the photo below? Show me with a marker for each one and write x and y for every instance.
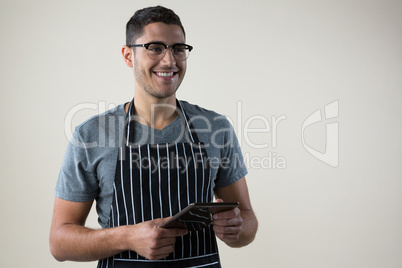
(179, 43)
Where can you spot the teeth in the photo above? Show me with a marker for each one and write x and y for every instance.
(165, 74)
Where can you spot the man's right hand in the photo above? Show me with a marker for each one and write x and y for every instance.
(71, 240)
(150, 241)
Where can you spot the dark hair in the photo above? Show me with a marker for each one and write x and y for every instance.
(143, 17)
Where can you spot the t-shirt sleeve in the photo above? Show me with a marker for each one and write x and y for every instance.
(232, 166)
(77, 179)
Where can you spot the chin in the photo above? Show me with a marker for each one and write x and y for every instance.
(163, 95)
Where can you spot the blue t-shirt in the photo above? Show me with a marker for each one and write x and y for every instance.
(89, 165)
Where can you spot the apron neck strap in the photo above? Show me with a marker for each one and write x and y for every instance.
(129, 126)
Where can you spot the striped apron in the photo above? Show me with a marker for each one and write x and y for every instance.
(156, 181)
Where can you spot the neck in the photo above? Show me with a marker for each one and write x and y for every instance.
(154, 112)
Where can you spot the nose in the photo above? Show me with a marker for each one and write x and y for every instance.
(168, 58)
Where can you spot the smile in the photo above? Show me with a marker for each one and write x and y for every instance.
(165, 74)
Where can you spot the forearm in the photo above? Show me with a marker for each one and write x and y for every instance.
(249, 229)
(78, 243)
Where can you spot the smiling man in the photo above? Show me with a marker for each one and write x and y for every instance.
(135, 191)
(159, 75)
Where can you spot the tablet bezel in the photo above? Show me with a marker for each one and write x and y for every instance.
(213, 208)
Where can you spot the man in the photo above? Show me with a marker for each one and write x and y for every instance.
(163, 155)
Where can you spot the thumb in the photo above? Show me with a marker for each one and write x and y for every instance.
(218, 200)
(159, 221)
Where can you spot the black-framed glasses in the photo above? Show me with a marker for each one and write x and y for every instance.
(157, 50)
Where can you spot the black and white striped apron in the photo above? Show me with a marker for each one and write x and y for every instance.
(159, 180)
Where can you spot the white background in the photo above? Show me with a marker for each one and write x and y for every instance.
(272, 58)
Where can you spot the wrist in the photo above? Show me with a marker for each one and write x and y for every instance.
(121, 236)
(116, 238)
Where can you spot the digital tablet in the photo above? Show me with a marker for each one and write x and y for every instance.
(197, 216)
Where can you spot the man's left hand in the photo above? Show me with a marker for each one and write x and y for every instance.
(228, 224)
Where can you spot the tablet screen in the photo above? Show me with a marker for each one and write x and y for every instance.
(197, 216)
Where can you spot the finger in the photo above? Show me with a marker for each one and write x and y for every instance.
(226, 215)
(156, 257)
(160, 253)
(172, 232)
(166, 249)
(227, 230)
(228, 237)
(168, 232)
(159, 221)
(218, 200)
(231, 222)
(166, 241)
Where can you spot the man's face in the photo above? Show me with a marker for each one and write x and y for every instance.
(158, 78)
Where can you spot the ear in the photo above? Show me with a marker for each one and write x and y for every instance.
(128, 56)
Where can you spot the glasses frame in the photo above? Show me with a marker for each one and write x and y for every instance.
(146, 46)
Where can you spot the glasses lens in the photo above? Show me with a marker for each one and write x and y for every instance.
(180, 51)
(156, 51)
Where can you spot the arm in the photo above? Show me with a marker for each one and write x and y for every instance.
(237, 227)
(71, 240)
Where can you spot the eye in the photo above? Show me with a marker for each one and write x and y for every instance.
(179, 49)
(156, 48)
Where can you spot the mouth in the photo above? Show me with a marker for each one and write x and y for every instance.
(166, 75)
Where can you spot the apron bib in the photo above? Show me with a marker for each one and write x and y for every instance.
(156, 181)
